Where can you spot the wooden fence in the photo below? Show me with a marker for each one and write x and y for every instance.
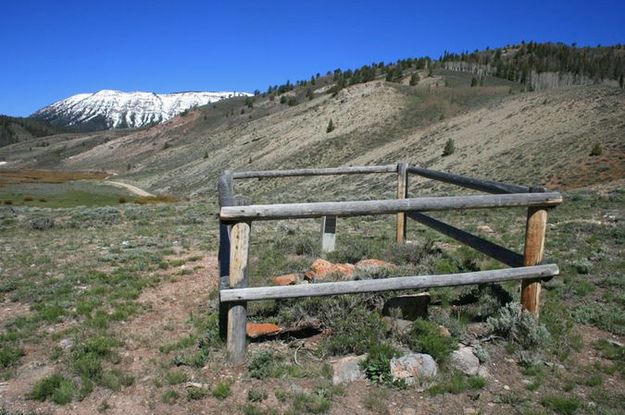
(236, 218)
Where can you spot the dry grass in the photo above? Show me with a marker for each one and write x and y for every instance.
(47, 176)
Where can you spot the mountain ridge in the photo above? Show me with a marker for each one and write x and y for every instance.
(109, 108)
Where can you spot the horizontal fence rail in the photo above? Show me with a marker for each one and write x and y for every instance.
(380, 207)
(391, 168)
(488, 186)
(388, 284)
(491, 249)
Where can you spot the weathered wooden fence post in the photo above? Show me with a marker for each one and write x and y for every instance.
(328, 233)
(238, 278)
(225, 189)
(533, 254)
(402, 193)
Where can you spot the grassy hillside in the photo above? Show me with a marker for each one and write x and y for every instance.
(16, 129)
(498, 132)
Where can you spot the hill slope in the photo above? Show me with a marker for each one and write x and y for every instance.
(16, 129)
(500, 133)
(540, 137)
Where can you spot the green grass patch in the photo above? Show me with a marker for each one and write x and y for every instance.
(196, 394)
(561, 404)
(170, 396)
(176, 377)
(10, 355)
(57, 388)
(377, 365)
(304, 403)
(426, 337)
(222, 389)
(456, 383)
(256, 395)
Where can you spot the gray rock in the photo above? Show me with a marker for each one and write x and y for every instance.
(66, 344)
(398, 325)
(407, 307)
(413, 368)
(348, 369)
(465, 361)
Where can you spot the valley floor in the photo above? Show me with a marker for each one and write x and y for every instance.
(115, 307)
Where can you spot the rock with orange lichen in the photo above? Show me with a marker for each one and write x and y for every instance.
(288, 279)
(262, 329)
(321, 269)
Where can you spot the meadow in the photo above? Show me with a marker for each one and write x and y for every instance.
(112, 307)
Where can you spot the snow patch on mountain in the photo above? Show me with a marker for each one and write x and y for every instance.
(118, 109)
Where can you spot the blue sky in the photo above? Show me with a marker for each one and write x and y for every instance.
(54, 49)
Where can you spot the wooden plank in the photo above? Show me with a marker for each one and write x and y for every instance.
(491, 249)
(402, 193)
(238, 278)
(469, 182)
(391, 168)
(534, 250)
(328, 233)
(388, 284)
(379, 207)
(226, 198)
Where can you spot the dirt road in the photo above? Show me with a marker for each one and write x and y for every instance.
(134, 189)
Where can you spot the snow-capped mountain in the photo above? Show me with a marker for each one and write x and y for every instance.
(117, 109)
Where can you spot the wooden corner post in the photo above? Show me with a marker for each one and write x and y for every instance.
(238, 278)
(225, 191)
(402, 193)
(533, 253)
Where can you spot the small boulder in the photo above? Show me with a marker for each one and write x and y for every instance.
(465, 361)
(344, 270)
(288, 279)
(321, 269)
(255, 330)
(347, 369)
(407, 307)
(413, 368)
(398, 325)
(66, 344)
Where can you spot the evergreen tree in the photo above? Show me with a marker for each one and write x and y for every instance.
(450, 147)
(414, 79)
(330, 126)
